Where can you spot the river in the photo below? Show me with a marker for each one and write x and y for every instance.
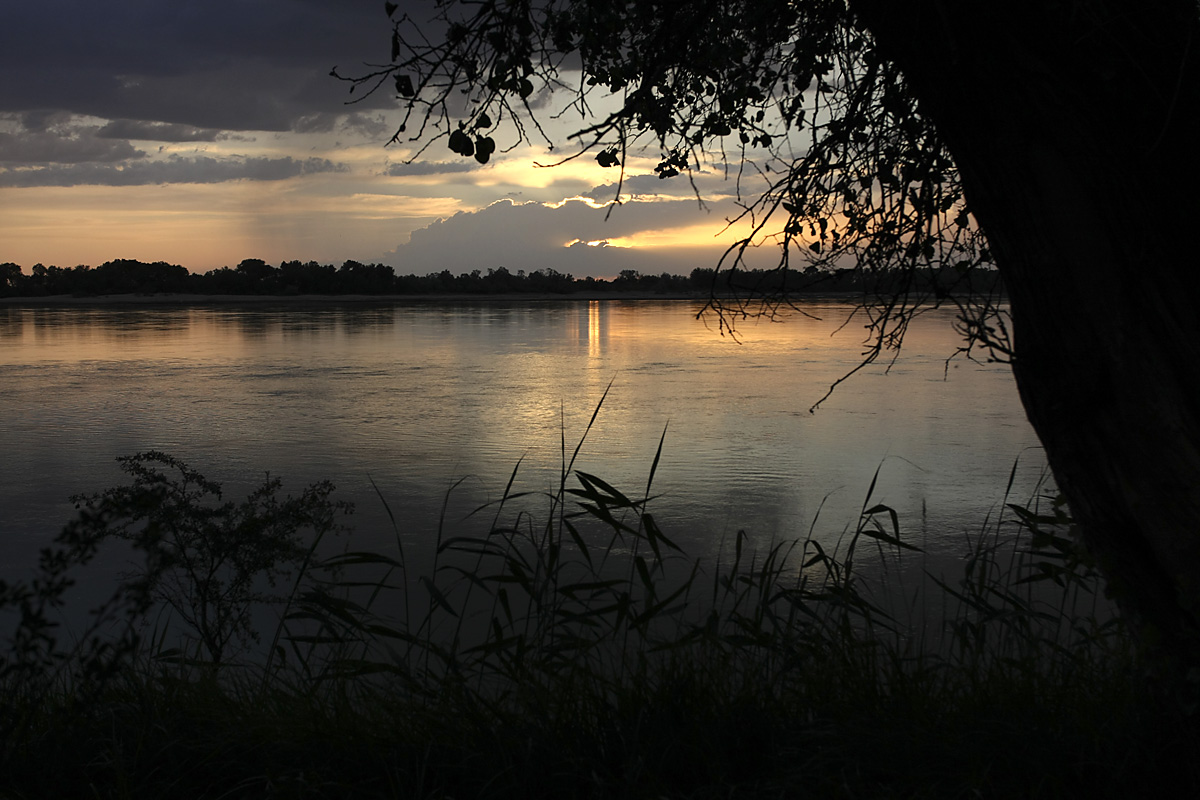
(415, 396)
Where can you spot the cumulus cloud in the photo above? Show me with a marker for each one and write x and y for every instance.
(174, 169)
(572, 237)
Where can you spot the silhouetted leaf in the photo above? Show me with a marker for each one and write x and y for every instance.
(461, 143)
(484, 147)
(404, 86)
(607, 158)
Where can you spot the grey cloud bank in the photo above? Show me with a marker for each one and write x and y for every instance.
(25, 147)
(156, 131)
(172, 170)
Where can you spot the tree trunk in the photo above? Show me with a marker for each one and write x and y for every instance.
(1075, 127)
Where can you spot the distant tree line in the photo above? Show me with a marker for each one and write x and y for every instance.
(254, 276)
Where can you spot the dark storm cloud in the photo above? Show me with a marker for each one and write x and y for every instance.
(172, 170)
(221, 64)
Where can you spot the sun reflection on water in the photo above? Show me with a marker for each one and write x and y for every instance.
(597, 328)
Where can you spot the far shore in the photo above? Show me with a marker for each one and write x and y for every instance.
(358, 299)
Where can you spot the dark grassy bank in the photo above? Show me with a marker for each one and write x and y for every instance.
(578, 654)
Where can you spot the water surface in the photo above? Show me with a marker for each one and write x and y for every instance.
(417, 396)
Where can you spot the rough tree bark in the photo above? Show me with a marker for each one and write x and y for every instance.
(1075, 126)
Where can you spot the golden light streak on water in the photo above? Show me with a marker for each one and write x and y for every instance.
(595, 331)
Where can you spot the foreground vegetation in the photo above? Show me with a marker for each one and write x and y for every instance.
(575, 653)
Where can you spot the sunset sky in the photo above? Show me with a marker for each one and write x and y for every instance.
(205, 133)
